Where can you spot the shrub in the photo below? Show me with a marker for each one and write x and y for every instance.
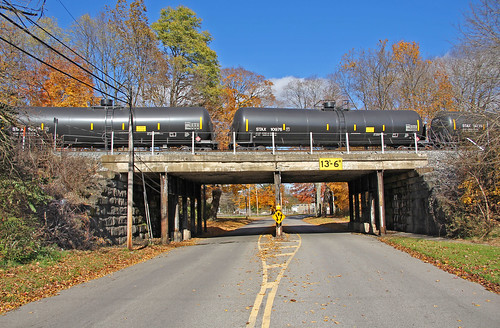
(20, 242)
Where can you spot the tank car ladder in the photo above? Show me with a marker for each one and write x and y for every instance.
(342, 129)
(108, 127)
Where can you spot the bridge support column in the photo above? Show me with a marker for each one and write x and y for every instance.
(373, 215)
(177, 235)
(381, 202)
(186, 233)
(351, 205)
(364, 215)
(204, 207)
(164, 208)
(356, 193)
(277, 194)
(319, 204)
(199, 211)
(192, 211)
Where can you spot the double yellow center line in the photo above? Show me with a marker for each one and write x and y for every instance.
(276, 255)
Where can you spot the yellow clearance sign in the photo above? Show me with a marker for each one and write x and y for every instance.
(330, 163)
(278, 216)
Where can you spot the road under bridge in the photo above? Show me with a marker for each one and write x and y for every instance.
(372, 177)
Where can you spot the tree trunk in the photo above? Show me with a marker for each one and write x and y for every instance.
(216, 195)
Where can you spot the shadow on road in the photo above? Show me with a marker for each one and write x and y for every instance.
(292, 224)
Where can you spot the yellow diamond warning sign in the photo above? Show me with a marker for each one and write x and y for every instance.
(278, 216)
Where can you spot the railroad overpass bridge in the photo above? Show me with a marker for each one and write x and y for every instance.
(373, 178)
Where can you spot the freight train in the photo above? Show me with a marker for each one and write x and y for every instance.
(326, 128)
(451, 127)
(101, 127)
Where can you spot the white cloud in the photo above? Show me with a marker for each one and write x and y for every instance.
(279, 84)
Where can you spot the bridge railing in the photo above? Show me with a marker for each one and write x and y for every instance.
(193, 141)
(284, 141)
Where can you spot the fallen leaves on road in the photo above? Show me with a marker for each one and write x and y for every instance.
(27, 283)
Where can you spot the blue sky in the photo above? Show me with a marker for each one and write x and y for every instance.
(303, 38)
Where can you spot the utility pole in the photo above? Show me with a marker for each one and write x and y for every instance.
(130, 181)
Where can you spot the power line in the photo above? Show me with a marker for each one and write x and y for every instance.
(60, 71)
(23, 10)
(24, 29)
(71, 50)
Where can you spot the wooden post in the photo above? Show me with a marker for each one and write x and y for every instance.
(351, 205)
(192, 215)
(199, 211)
(362, 209)
(164, 208)
(204, 209)
(277, 194)
(381, 201)
(130, 180)
(318, 200)
(357, 217)
(177, 234)
(371, 203)
(186, 233)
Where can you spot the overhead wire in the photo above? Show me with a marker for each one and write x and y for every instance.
(148, 168)
(77, 54)
(59, 70)
(24, 29)
(16, 7)
(149, 185)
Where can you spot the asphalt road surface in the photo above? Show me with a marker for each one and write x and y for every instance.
(248, 279)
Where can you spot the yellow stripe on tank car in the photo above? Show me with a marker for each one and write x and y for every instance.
(327, 127)
(158, 126)
(354, 127)
(246, 127)
(123, 126)
(201, 122)
(418, 125)
(284, 128)
(41, 126)
(454, 125)
(383, 128)
(91, 126)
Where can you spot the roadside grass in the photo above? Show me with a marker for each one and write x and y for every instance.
(21, 284)
(475, 262)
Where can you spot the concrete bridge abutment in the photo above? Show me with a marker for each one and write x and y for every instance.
(385, 189)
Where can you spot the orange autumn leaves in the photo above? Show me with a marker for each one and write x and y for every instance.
(50, 87)
(240, 88)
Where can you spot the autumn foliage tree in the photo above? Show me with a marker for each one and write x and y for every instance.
(396, 77)
(50, 87)
(240, 88)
